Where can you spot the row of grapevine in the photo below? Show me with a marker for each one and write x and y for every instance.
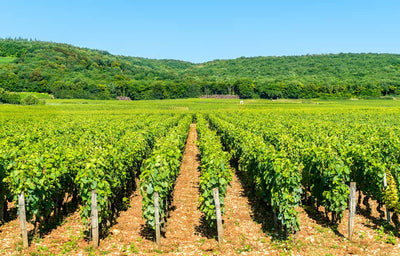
(215, 172)
(323, 173)
(160, 170)
(332, 150)
(62, 160)
(111, 170)
(274, 178)
(326, 176)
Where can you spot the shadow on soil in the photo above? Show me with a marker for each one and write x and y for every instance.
(10, 212)
(205, 230)
(71, 206)
(376, 223)
(148, 233)
(321, 219)
(54, 221)
(261, 213)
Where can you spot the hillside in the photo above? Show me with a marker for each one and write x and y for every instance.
(72, 72)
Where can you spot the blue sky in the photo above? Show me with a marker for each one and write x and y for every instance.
(200, 31)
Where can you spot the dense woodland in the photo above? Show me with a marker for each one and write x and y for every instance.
(71, 72)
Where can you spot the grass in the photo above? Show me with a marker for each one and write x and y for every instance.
(90, 250)
(205, 105)
(42, 96)
(385, 235)
(4, 60)
(132, 248)
(245, 248)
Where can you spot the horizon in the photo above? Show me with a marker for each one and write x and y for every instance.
(205, 31)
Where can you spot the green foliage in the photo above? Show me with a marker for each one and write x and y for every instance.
(326, 176)
(333, 148)
(9, 97)
(244, 88)
(4, 60)
(24, 98)
(30, 100)
(38, 169)
(113, 165)
(274, 178)
(72, 147)
(391, 194)
(71, 72)
(215, 171)
(161, 169)
(40, 96)
(54, 157)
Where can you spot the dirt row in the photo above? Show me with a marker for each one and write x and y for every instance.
(248, 228)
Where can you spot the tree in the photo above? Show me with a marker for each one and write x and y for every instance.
(244, 87)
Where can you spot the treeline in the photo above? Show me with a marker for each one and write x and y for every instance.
(72, 72)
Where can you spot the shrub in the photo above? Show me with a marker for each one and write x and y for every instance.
(9, 97)
(30, 100)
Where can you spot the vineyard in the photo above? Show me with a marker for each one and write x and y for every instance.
(97, 177)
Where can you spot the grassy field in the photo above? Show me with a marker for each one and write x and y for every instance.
(42, 96)
(4, 60)
(194, 105)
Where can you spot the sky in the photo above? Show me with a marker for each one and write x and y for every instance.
(204, 30)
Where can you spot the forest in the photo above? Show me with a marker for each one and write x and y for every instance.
(66, 72)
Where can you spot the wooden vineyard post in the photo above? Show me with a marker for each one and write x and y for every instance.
(352, 208)
(157, 217)
(385, 186)
(22, 218)
(218, 212)
(95, 220)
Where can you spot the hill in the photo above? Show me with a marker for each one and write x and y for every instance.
(71, 72)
